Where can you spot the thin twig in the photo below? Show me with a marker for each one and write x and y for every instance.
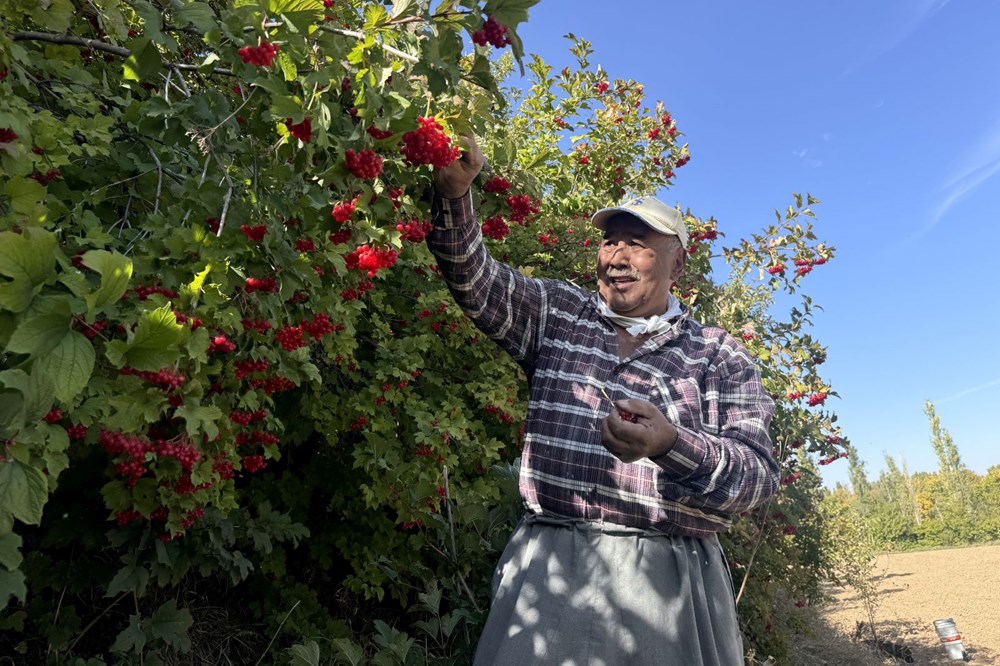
(753, 554)
(76, 640)
(360, 35)
(454, 548)
(277, 632)
(98, 45)
(159, 180)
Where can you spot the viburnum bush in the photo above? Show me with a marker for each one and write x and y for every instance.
(229, 363)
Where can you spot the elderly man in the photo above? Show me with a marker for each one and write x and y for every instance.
(617, 560)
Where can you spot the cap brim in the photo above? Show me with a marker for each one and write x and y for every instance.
(601, 217)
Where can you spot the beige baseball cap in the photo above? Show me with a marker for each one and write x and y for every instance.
(656, 214)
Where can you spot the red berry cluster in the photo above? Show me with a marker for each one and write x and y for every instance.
(497, 184)
(794, 395)
(183, 319)
(3, 74)
(271, 385)
(185, 486)
(92, 330)
(76, 432)
(423, 451)
(243, 369)
(221, 345)
(246, 418)
(832, 458)
(428, 144)
(709, 233)
(777, 269)
(133, 447)
(55, 415)
(340, 237)
(584, 159)
(47, 177)
(343, 211)
(493, 32)
(290, 337)
(816, 399)
(255, 233)
(256, 437)
(320, 326)
(257, 325)
(366, 165)
(495, 227)
(7, 135)
(144, 292)
(394, 194)
(653, 133)
(560, 122)
(371, 259)
(192, 515)
(223, 468)
(213, 224)
(123, 518)
(306, 244)
(301, 131)
(682, 161)
(790, 479)
(414, 231)
(522, 208)
(499, 413)
(259, 56)
(547, 239)
(747, 335)
(184, 453)
(379, 134)
(261, 284)
(165, 378)
(359, 423)
(601, 87)
(254, 464)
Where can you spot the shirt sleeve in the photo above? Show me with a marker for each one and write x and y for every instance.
(735, 470)
(505, 305)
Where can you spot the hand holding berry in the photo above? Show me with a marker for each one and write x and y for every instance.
(637, 429)
(454, 180)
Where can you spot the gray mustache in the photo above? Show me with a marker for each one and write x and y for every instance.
(621, 274)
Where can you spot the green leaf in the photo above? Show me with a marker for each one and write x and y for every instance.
(115, 270)
(55, 15)
(144, 62)
(37, 393)
(132, 638)
(23, 491)
(29, 259)
(154, 345)
(10, 550)
(509, 12)
(301, 13)
(171, 625)
(192, 290)
(69, 366)
(349, 651)
(305, 654)
(403, 8)
(41, 334)
(130, 578)
(197, 14)
(23, 194)
(12, 585)
(200, 419)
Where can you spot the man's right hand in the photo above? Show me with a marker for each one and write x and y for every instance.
(453, 181)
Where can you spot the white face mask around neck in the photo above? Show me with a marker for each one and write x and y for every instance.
(642, 325)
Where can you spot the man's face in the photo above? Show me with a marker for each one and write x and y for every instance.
(636, 266)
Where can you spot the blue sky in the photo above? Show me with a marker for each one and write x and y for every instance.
(889, 113)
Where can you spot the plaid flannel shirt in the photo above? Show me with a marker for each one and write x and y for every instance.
(701, 377)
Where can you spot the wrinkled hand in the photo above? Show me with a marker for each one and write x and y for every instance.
(637, 429)
(453, 181)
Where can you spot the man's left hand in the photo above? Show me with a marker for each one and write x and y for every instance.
(637, 429)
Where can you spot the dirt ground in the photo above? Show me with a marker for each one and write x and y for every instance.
(918, 588)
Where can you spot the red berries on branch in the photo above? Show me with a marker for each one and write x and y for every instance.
(495, 227)
(7, 135)
(254, 234)
(261, 55)
(777, 269)
(522, 207)
(343, 211)
(164, 378)
(414, 231)
(816, 399)
(290, 337)
(496, 184)
(493, 32)
(365, 165)
(48, 177)
(428, 144)
(379, 134)
(301, 131)
(371, 259)
(261, 284)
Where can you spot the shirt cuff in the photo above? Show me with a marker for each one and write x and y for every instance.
(686, 457)
(452, 213)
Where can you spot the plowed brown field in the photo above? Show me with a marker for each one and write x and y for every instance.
(918, 588)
